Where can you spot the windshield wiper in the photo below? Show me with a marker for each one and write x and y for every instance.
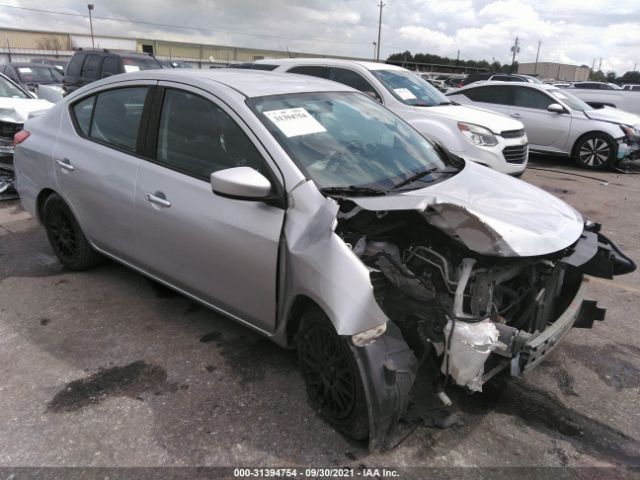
(352, 190)
(415, 177)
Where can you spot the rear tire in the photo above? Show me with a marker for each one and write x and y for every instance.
(331, 375)
(595, 151)
(65, 236)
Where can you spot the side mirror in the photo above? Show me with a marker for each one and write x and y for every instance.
(373, 95)
(556, 108)
(243, 183)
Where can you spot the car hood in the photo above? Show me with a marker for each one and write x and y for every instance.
(490, 213)
(615, 115)
(493, 121)
(17, 110)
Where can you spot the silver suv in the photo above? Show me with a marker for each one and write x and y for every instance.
(310, 213)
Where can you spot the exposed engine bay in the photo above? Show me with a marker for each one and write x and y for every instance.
(477, 314)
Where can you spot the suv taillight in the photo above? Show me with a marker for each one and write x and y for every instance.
(20, 137)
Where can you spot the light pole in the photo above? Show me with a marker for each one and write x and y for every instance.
(90, 7)
(379, 30)
(374, 50)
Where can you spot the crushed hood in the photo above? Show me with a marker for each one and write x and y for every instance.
(493, 121)
(615, 115)
(490, 213)
(17, 110)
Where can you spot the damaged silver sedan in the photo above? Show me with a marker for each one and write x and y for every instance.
(309, 212)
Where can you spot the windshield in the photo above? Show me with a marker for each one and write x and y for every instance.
(9, 90)
(574, 103)
(346, 139)
(39, 74)
(135, 64)
(410, 89)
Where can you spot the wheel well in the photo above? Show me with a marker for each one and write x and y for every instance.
(300, 305)
(42, 197)
(598, 132)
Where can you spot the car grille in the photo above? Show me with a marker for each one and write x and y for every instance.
(515, 154)
(512, 133)
(8, 130)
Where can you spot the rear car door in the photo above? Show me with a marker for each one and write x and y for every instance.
(544, 128)
(491, 97)
(96, 163)
(222, 250)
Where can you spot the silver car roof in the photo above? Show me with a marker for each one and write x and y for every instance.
(250, 83)
(539, 86)
(329, 61)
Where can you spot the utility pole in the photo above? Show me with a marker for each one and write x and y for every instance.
(90, 7)
(379, 30)
(515, 49)
(374, 49)
(535, 69)
(457, 58)
(9, 50)
(600, 64)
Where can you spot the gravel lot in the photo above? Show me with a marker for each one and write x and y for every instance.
(101, 369)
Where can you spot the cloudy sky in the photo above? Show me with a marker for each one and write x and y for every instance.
(571, 31)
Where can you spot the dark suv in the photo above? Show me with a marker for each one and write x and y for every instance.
(87, 66)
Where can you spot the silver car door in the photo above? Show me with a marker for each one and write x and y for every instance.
(96, 163)
(546, 129)
(222, 250)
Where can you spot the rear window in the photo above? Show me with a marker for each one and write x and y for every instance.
(135, 64)
(313, 70)
(75, 64)
(498, 94)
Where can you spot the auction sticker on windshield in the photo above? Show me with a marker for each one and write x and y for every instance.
(405, 93)
(294, 121)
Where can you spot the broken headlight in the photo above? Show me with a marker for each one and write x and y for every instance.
(368, 336)
(631, 132)
(478, 135)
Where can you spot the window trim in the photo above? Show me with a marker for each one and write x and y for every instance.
(149, 152)
(141, 130)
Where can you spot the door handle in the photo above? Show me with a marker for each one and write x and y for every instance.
(65, 164)
(157, 199)
(515, 115)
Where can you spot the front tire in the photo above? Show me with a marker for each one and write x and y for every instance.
(65, 236)
(331, 375)
(595, 151)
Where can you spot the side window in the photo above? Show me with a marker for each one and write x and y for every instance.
(75, 65)
(498, 94)
(91, 66)
(314, 71)
(111, 65)
(530, 98)
(353, 80)
(82, 112)
(198, 138)
(116, 119)
(8, 71)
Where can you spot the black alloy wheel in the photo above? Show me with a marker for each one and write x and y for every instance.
(65, 236)
(331, 375)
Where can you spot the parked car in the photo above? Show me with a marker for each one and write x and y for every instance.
(87, 66)
(312, 214)
(595, 85)
(631, 86)
(16, 104)
(438, 84)
(165, 63)
(502, 77)
(43, 80)
(59, 63)
(556, 122)
(180, 64)
(623, 100)
(493, 140)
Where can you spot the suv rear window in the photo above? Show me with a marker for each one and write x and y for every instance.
(313, 70)
(75, 65)
(91, 67)
(135, 64)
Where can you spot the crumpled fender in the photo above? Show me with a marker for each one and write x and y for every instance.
(319, 265)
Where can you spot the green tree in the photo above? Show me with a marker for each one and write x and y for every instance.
(630, 77)
(597, 76)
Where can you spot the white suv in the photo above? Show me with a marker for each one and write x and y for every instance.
(491, 139)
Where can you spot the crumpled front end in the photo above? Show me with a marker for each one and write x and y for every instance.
(476, 314)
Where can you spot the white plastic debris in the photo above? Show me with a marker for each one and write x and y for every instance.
(469, 348)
